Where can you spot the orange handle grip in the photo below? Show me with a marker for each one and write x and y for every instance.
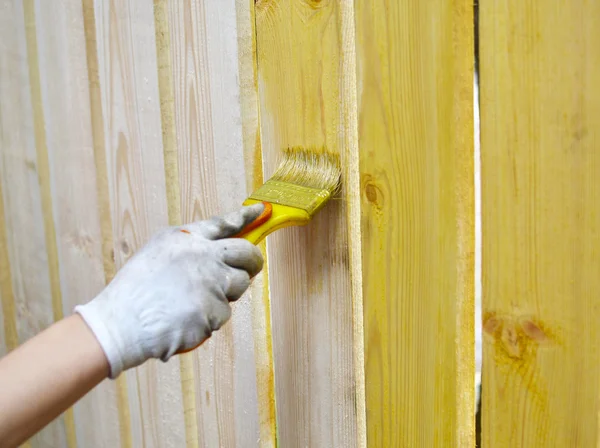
(262, 218)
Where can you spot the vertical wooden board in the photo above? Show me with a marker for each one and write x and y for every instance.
(540, 114)
(415, 78)
(302, 94)
(65, 102)
(212, 181)
(136, 178)
(259, 290)
(22, 203)
(13, 65)
(6, 300)
(8, 321)
(23, 216)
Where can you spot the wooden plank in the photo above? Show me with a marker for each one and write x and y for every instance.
(8, 324)
(304, 97)
(104, 209)
(27, 208)
(415, 78)
(212, 180)
(128, 76)
(540, 109)
(259, 290)
(66, 110)
(13, 135)
(172, 191)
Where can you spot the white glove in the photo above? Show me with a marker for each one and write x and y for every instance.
(175, 291)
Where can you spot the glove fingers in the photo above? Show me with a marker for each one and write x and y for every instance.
(241, 254)
(238, 283)
(229, 225)
(219, 312)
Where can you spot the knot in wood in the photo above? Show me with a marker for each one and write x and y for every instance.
(317, 4)
(372, 191)
(517, 337)
(125, 248)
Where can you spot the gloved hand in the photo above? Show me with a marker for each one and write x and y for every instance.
(175, 291)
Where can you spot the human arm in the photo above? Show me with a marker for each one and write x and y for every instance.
(42, 378)
(169, 298)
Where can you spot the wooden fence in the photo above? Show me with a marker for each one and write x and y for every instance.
(118, 118)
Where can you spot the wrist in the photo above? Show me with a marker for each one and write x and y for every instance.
(111, 333)
(95, 356)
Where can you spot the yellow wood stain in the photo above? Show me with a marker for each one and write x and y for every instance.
(265, 373)
(257, 165)
(415, 129)
(261, 309)
(540, 91)
(515, 343)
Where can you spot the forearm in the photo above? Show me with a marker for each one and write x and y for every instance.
(45, 376)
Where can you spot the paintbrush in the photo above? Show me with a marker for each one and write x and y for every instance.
(300, 186)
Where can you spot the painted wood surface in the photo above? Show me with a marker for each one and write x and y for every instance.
(118, 118)
(415, 127)
(540, 115)
(305, 98)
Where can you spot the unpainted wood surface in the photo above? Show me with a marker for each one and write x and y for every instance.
(25, 212)
(128, 80)
(302, 93)
(212, 180)
(102, 125)
(72, 181)
(415, 127)
(540, 115)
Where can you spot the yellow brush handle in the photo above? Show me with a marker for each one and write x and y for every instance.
(281, 216)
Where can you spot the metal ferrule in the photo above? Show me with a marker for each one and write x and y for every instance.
(308, 199)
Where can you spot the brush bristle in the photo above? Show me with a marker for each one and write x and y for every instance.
(310, 168)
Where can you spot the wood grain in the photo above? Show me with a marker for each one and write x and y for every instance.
(415, 75)
(212, 181)
(349, 144)
(167, 113)
(63, 431)
(23, 246)
(128, 76)
(90, 86)
(540, 114)
(66, 111)
(302, 94)
(8, 323)
(11, 66)
(32, 246)
(259, 290)
(104, 209)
